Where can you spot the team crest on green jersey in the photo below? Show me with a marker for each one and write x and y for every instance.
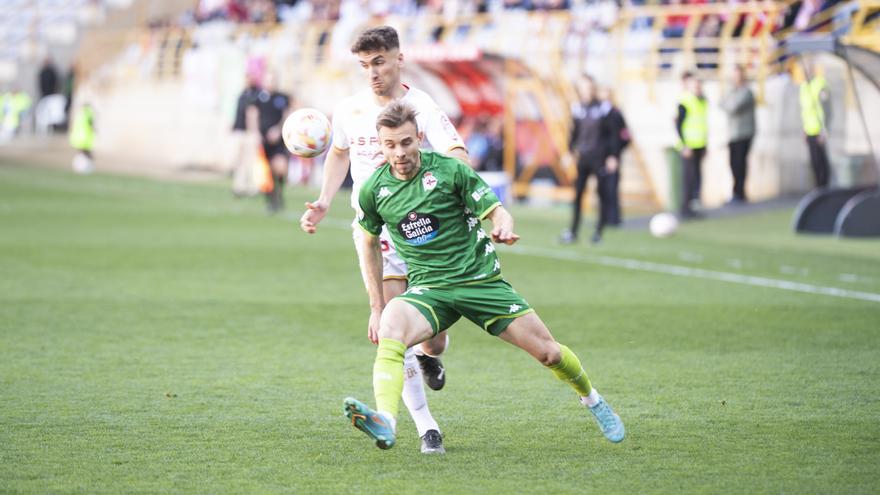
(418, 228)
(429, 181)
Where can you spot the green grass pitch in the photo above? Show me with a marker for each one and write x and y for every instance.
(164, 337)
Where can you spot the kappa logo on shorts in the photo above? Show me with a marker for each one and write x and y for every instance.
(514, 308)
(418, 228)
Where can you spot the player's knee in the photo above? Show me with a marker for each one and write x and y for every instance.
(391, 330)
(435, 346)
(550, 355)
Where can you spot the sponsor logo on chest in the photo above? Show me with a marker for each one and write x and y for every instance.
(418, 228)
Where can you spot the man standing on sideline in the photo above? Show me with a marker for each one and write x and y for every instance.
(692, 125)
(244, 128)
(274, 106)
(618, 139)
(739, 104)
(815, 116)
(433, 205)
(589, 142)
(356, 141)
(48, 78)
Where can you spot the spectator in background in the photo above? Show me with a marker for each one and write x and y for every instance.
(82, 139)
(609, 181)
(739, 104)
(67, 90)
(242, 138)
(815, 102)
(13, 106)
(589, 143)
(692, 126)
(48, 78)
(274, 107)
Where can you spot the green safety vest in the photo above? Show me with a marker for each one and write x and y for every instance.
(695, 128)
(812, 114)
(82, 132)
(16, 104)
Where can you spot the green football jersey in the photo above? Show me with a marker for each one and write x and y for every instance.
(434, 221)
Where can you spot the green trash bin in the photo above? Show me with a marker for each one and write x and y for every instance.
(676, 179)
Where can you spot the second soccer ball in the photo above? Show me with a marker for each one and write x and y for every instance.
(663, 224)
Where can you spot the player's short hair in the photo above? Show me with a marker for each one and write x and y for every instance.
(376, 39)
(396, 114)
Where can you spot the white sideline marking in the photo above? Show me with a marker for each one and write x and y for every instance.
(684, 271)
(681, 271)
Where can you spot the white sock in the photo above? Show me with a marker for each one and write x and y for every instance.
(414, 394)
(592, 399)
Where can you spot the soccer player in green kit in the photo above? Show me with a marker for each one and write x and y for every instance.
(433, 205)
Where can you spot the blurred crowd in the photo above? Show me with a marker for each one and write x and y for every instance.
(796, 15)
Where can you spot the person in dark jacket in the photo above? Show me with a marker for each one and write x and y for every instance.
(618, 139)
(48, 78)
(242, 137)
(589, 142)
(274, 107)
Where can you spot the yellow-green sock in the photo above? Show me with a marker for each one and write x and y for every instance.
(388, 375)
(570, 371)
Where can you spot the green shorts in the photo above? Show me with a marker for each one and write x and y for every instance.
(492, 305)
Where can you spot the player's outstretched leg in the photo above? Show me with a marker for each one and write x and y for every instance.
(529, 333)
(428, 355)
(375, 425)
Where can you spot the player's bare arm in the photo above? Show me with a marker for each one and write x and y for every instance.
(461, 154)
(373, 278)
(335, 169)
(502, 226)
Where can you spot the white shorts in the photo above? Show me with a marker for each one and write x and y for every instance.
(393, 266)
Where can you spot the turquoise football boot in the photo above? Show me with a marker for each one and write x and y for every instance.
(370, 422)
(609, 422)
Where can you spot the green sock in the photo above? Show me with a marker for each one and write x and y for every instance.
(388, 375)
(570, 371)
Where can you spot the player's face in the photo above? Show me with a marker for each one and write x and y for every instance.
(400, 147)
(382, 69)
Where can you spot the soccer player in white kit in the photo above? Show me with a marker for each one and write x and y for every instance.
(356, 140)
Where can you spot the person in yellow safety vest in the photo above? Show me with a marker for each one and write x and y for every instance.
(82, 138)
(692, 125)
(815, 115)
(14, 105)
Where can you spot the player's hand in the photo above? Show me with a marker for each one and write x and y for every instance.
(313, 215)
(373, 327)
(687, 153)
(501, 235)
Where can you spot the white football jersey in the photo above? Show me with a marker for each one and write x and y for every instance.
(354, 129)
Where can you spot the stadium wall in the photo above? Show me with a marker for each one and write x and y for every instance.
(183, 121)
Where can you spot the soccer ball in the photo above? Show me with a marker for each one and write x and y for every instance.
(663, 224)
(82, 164)
(306, 132)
